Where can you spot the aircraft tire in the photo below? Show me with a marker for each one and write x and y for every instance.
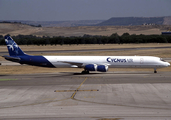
(85, 72)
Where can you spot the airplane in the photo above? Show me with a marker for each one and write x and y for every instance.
(88, 63)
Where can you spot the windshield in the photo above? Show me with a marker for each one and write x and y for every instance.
(162, 60)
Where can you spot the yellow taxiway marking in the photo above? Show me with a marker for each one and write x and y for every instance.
(73, 95)
(84, 77)
(73, 90)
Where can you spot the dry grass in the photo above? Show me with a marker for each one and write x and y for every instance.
(26, 69)
(165, 53)
(16, 29)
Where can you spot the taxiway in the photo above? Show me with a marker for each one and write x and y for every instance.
(96, 96)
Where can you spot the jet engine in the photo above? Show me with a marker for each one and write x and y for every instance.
(91, 67)
(102, 68)
(94, 67)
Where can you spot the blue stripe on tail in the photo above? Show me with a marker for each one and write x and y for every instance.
(17, 55)
(13, 48)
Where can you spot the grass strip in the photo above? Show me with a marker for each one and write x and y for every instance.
(7, 79)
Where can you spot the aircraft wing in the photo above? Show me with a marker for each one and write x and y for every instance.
(74, 64)
(79, 65)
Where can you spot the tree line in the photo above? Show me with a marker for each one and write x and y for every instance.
(21, 23)
(88, 39)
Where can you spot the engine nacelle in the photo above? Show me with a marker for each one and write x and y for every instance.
(102, 68)
(91, 67)
(94, 67)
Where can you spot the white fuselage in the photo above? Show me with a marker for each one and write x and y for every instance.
(111, 61)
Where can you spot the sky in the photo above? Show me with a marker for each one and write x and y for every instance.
(64, 10)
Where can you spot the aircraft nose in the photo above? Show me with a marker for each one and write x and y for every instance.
(168, 64)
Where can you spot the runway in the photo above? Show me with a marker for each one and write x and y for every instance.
(95, 96)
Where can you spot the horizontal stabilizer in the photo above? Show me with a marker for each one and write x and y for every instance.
(10, 58)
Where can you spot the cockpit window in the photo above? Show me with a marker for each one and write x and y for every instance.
(162, 60)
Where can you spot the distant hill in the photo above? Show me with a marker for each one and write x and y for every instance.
(58, 23)
(167, 21)
(129, 21)
(114, 21)
(15, 29)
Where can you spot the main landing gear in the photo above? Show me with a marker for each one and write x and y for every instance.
(85, 72)
(155, 70)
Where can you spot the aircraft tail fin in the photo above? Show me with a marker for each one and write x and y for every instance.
(13, 48)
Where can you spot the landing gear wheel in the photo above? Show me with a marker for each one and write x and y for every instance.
(85, 72)
(155, 71)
